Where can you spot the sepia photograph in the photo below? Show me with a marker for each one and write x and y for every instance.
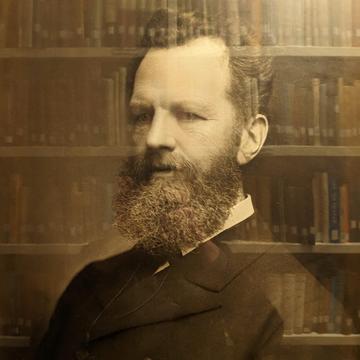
(179, 179)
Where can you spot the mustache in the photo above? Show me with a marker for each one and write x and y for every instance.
(141, 166)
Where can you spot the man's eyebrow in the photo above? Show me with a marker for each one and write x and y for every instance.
(200, 106)
(139, 104)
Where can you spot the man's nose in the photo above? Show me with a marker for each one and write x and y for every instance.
(160, 135)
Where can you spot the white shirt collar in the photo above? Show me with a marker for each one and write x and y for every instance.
(238, 213)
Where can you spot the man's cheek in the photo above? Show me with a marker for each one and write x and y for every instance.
(139, 134)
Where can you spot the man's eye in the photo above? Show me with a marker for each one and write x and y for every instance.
(190, 116)
(144, 117)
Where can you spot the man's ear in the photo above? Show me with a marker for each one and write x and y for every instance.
(253, 137)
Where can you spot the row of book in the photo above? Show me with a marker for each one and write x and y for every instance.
(44, 23)
(324, 305)
(74, 23)
(316, 112)
(312, 22)
(77, 208)
(26, 300)
(97, 23)
(64, 109)
(321, 209)
(53, 210)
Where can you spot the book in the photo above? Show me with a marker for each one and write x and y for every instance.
(310, 303)
(347, 115)
(15, 188)
(291, 216)
(315, 22)
(324, 206)
(323, 22)
(288, 302)
(334, 210)
(344, 214)
(355, 23)
(108, 99)
(299, 303)
(110, 22)
(274, 291)
(323, 115)
(314, 130)
(77, 22)
(316, 196)
(263, 187)
(308, 23)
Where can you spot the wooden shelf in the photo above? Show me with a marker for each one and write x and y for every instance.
(120, 151)
(321, 340)
(64, 151)
(310, 151)
(240, 246)
(71, 53)
(41, 249)
(14, 341)
(103, 53)
(302, 51)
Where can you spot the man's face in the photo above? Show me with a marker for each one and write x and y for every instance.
(179, 104)
(180, 187)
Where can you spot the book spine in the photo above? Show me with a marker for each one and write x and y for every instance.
(122, 18)
(132, 23)
(308, 22)
(38, 22)
(291, 221)
(122, 129)
(4, 17)
(334, 210)
(348, 23)
(316, 195)
(315, 10)
(335, 14)
(233, 28)
(347, 115)
(110, 21)
(356, 113)
(27, 23)
(344, 214)
(331, 113)
(325, 206)
(16, 185)
(323, 117)
(316, 111)
(95, 13)
(264, 203)
(77, 22)
(299, 303)
(309, 303)
(324, 27)
(274, 291)
(354, 213)
(288, 302)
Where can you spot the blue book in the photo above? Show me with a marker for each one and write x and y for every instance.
(334, 210)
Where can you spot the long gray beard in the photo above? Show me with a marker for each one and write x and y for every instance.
(165, 215)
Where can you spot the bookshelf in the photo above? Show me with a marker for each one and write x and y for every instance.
(321, 340)
(239, 246)
(14, 341)
(129, 53)
(121, 151)
(42, 249)
(110, 153)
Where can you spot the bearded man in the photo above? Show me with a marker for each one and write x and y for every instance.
(179, 293)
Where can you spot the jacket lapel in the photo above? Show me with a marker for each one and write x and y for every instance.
(157, 298)
(192, 284)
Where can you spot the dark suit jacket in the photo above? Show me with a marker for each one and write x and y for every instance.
(197, 308)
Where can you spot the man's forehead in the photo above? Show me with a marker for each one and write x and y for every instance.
(199, 64)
